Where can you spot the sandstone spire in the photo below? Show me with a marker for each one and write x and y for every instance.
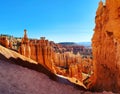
(25, 38)
(25, 33)
(25, 49)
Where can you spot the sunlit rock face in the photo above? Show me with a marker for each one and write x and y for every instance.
(5, 42)
(25, 48)
(87, 66)
(75, 70)
(43, 52)
(71, 63)
(52, 57)
(106, 47)
(38, 50)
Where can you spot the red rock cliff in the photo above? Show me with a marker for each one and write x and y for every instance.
(106, 47)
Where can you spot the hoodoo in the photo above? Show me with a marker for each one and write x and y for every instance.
(25, 47)
(62, 63)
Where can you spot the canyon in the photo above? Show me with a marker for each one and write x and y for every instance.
(54, 57)
(99, 72)
(18, 74)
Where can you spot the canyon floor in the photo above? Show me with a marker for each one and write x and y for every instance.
(15, 79)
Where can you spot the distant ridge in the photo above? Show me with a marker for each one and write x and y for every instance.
(86, 44)
(68, 43)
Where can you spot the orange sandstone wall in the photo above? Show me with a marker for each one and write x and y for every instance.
(106, 47)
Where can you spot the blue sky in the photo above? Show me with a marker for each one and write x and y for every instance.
(57, 20)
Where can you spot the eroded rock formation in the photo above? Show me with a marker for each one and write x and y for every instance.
(5, 42)
(53, 57)
(25, 48)
(106, 47)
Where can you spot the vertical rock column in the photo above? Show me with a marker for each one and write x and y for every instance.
(106, 47)
(25, 47)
